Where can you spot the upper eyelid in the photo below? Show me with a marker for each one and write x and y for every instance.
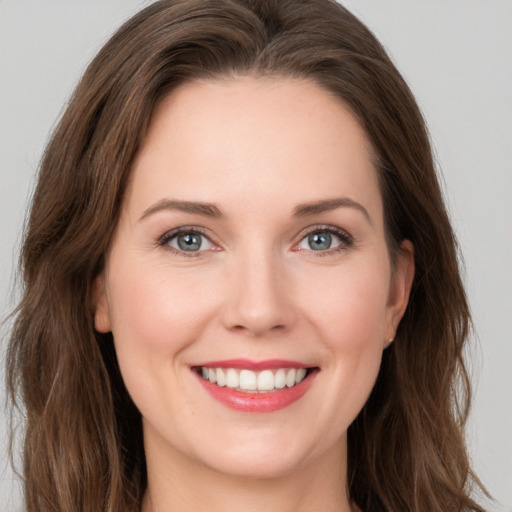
(324, 227)
(184, 229)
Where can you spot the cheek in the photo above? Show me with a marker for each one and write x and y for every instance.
(351, 308)
(156, 315)
(350, 318)
(157, 312)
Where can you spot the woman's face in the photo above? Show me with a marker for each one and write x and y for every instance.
(251, 250)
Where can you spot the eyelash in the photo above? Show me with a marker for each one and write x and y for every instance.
(165, 239)
(346, 240)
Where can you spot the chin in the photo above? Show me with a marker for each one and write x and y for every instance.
(260, 455)
(257, 467)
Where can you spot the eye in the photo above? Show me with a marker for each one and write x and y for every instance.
(188, 241)
(325, 239)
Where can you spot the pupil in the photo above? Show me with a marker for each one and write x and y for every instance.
(319, 241)
(189, 242)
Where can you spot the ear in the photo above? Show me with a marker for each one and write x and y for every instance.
(401, 283)
(100, 303)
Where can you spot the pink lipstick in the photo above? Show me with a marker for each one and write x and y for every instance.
(255, 386)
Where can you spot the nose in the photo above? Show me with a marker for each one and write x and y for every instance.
(260, 297)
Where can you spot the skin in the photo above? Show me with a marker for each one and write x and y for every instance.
(257, 149)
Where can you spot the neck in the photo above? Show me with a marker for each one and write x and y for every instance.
(180, 484)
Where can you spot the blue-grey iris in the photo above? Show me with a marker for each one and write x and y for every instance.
(320, 241)
(189, 242)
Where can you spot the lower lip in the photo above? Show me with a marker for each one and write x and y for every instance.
(258, 402)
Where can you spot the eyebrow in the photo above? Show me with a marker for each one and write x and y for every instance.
(198, 208)
(326, 205)
(211, 210)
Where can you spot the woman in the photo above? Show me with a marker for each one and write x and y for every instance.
(242, 287)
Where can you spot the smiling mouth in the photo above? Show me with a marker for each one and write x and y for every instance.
(249, 381)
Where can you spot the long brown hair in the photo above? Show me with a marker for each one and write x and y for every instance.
(83, 447)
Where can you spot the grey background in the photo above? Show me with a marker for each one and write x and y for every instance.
(456, 56)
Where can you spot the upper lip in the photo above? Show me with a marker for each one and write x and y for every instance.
(247, 364)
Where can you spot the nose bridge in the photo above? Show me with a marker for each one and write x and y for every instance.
(260, 299)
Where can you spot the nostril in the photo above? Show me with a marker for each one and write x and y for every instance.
(258, 330)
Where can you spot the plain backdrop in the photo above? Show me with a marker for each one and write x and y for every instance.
(457, 57)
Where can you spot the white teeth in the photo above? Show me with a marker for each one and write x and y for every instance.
(280, 379)
(301, 373)
(232, 380)
(221, 377)
(266, 380)
(249, 381)
(290, 378)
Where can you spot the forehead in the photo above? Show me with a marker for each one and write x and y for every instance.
(261, 139)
